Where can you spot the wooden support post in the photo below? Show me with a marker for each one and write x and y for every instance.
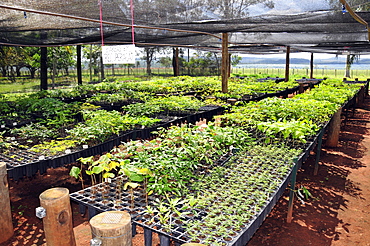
(229, 67)
(311, 66)
(58, 224)
(79, 66)
(287, 62)
(177, 62)
(44, 68)
(113, 228)
(6, 225)
(225, 61)
(291, 194)
(102, 72)
(334, 129)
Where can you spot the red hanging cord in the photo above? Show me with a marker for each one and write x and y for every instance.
(132, 21)
(101, 22)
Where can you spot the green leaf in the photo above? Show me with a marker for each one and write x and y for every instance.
(75, 172)
(136, 177)
(97, 169)
(108, 175)
(130, 184)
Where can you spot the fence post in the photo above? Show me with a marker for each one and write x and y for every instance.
(6, 225)
(112, 228)
(57, 217)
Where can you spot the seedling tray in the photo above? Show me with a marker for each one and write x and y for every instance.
(151, 222)
(22, 163)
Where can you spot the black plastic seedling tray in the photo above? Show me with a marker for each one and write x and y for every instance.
(24, 163)
(109, 196)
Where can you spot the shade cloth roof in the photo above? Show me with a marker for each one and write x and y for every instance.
(255, 26)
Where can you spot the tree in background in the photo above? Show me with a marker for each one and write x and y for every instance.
(203, 63)
(32, 60)
(10, 58)
(13, 59)
(62, 58)
(150, 55)
(235, 60)
(165, 61)
(92, 53)
(349, 61)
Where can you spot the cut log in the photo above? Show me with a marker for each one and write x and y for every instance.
(6, 225)
(113, 228)
(58, 223)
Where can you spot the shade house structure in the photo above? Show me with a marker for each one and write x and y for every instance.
(338, 27)
(258, 26)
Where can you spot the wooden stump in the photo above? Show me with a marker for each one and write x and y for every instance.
(113, 228)
(333, 130)
(6, 225)
(58, 224)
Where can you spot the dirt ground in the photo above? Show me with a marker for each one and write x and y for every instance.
(338, 214)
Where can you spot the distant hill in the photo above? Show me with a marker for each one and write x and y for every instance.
(339, 60)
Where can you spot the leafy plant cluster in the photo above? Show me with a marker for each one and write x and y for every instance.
(179, 164)
(333, 91)
(99, 125)
(43, 118)
(202, 86)
(119, 97)
(31, 107)
(164, 105)
(172, 157)
(295, 118)
(247, 88)
(55, 129)
(281, 118)
(235, 194)
(48, 111)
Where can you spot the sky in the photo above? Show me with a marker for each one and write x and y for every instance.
(289, 7)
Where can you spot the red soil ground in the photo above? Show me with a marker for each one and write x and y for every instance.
(338, 214)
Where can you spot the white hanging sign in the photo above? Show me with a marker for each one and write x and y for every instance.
(118, 54)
